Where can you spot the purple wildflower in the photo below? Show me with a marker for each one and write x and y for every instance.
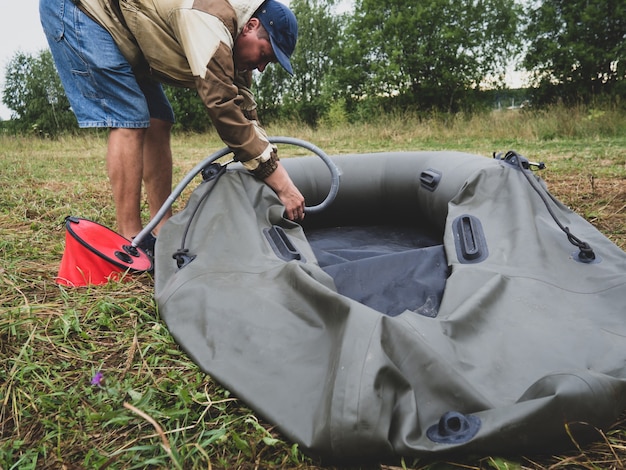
(97, 379)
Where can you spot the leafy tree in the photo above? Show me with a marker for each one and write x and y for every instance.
(35, 96)
(577, 48)
(191, 114)
(428, 53)
(270, 88)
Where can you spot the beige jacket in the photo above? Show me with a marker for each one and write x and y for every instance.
(190, 43)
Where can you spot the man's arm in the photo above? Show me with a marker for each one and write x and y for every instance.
(286, 190)
(222, 95)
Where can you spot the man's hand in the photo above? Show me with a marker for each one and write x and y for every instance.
(290, 196)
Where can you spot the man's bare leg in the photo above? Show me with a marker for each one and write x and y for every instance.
(125, 169)
(157, 167)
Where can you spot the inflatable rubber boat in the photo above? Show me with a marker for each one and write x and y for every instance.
(443, 302)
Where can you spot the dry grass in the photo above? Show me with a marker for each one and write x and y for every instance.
(154, 408)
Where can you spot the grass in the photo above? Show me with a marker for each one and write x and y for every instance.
(153, 408)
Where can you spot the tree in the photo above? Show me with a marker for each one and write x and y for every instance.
(428, 53)
(34, 94)
(191, 114)
(577, 48)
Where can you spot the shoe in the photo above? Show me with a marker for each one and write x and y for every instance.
(147, 244)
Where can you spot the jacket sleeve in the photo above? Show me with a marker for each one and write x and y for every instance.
(211, 63)
(224, 104)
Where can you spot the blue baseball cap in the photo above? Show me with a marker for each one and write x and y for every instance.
(282, 28)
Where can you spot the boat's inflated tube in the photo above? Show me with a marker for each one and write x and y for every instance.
(517, 347)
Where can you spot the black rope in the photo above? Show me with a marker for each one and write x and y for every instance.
(586, 254)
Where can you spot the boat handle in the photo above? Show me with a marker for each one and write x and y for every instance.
(471, 245)
(281, 244)
(430, 179)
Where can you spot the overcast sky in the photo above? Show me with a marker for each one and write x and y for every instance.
(20, 30)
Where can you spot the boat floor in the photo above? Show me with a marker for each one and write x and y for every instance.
(390, 269)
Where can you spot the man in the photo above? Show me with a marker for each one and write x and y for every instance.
(112, 56)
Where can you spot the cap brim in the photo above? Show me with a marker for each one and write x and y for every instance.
(281, 57)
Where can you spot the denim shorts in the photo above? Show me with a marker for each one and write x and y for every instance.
(98, 80)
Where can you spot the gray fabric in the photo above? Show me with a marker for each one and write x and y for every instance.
(523, 342)
(390, 269)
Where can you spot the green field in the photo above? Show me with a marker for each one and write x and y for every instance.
(154, 408)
